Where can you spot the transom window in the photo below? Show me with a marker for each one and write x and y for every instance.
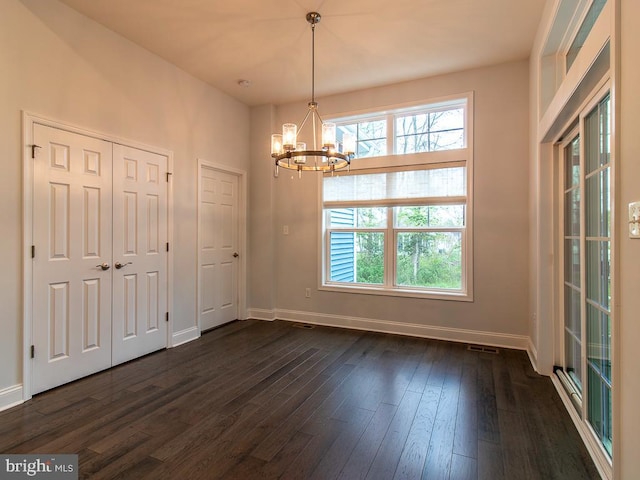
(427, 128)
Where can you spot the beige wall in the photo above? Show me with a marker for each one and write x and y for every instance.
(500, 202)
(58, 64)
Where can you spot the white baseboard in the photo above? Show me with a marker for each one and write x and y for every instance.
(261, 314)
(533, 355)
(519, 342)
(184, 336)
(10, 397)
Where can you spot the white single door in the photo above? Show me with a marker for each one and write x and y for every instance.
(218, 248)
(71, 323)
(139, 253)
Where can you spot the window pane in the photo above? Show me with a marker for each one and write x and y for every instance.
(572, 213)
(372, 130)
(372, 217)
(429, 259)
(597, 136)
(599, 332)
(412, 124)
(356, 257)
(572, 164)
(447, 120)
(446, 140)
(371, 148)
(600, 408)
(583, 31)
(573, 335)
(598, 204)
(375, 217)
(342, 217)
(371, 137)
(342, 257)
(598, 260)
(429, 216)
(412, 144)
(427, 132)
(370, 257)
(572, 262)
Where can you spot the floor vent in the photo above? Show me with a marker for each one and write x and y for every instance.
(483, 349)
(302, 325)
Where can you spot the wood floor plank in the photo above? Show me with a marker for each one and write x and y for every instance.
(355, 421)
(266, 400)
(285, 457)
(388, 455)
(490, 466)
(439, 454)
(414, 453)
(463, 468)
(362, 456)
(268, 448)
(488, 427)
(305, 463)
(515, 447)
(465, 441)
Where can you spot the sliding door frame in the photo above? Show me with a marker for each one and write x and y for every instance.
(579, 410)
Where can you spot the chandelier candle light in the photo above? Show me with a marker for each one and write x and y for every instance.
(293, 155)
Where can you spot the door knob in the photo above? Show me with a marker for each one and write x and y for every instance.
(104, 266)
(119, 265)
(235, 255)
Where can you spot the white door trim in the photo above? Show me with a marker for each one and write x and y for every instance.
(28, 121)
(242, 234)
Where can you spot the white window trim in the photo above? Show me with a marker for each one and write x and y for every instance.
(466, 294)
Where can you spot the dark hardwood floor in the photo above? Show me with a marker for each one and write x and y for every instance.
(261, 400)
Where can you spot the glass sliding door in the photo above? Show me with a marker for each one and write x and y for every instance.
(586, 273)
(572, 280)
(597, 208)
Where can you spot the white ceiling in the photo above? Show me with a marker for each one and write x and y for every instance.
(359, 43)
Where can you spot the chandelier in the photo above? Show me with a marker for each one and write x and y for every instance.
(293, 155)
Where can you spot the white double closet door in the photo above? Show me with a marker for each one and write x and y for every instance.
(100, 265)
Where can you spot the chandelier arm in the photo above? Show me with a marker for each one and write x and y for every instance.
(306, 117)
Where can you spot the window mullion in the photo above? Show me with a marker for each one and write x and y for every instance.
(391, 135)
(390, 246)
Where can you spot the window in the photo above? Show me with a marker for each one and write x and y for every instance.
(583, 32)
(399, 222)
(401, 230)
(426, 128)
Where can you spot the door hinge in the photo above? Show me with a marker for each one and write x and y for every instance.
(33, 150)
(33, 251)
(167, 246)
(33, 351)
(168, 174)
(167, 316)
